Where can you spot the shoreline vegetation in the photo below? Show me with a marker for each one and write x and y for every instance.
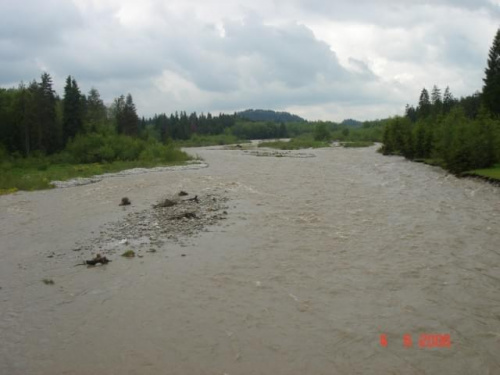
(461, 136)
(39, 176)
(45, 137)
(491, 175)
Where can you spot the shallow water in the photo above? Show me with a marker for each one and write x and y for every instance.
(318, 258)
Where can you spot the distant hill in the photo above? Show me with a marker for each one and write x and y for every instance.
(268, 115)
(351, 122)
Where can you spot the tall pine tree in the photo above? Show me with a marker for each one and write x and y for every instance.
(436, 100)
(491, 88)
(49, 136)
(72, 109)
(448, 100)
(95, 114)
(126, 116)
(424, 104)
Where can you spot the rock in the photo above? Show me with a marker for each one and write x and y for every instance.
(182, 193)
(125, 201)
(173, 218)
(166, 203)
(185, 215)
(98, 259)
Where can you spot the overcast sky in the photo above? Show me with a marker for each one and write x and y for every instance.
(321, 59)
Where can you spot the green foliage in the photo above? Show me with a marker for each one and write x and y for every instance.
(321, 133)
(37, 173)
(397, 138)
(73, 109)
(258, 130)
(491, 88)
(457, 142)
(267, 115)
(492, 173)
(357, 144)
(97, 148)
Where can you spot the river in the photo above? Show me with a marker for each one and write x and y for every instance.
(318, 258)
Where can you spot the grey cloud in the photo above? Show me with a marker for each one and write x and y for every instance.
(265, 59)
(32, 21)
(388, 11)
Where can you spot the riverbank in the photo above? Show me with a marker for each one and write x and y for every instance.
(491, 175)
(48, 176)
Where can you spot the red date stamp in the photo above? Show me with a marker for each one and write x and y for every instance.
(425, 340)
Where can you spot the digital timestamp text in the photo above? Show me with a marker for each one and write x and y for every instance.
(425, 340)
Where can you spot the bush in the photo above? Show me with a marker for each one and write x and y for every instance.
(321, 133)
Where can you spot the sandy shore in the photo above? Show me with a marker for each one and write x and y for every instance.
(314, 260)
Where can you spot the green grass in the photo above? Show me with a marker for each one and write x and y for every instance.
(492, 173)
(357, 144)
(209, 140)
(295, 144)
(23, 176)
(433, 162)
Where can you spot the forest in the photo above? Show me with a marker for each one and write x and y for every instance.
(460, 135)
(77, 128)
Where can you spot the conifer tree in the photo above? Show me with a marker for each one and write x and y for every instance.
(424, 104)
(491, 88)
(448, 100)
(129, 120)
(436, 100)
(95, 113)
(47, 137)
(72, 109)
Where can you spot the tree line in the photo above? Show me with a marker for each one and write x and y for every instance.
(458, 134)
(35, 120)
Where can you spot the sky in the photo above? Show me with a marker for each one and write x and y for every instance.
(320, 59)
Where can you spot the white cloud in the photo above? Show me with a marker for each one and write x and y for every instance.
(323, 59)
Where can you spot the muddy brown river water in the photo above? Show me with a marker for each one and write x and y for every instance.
(317, 259)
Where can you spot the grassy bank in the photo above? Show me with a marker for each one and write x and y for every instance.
(487, 173)
(84, 156)
(14, 178)
(295, 144)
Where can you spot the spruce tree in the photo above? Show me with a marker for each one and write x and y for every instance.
(129, 119)
(436, 100)
(448, 100)
(95, 112)
(47, 137)
(424, 104)
(72, 109)
(491, 88)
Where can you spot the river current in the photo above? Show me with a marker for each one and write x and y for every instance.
(320, 258)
